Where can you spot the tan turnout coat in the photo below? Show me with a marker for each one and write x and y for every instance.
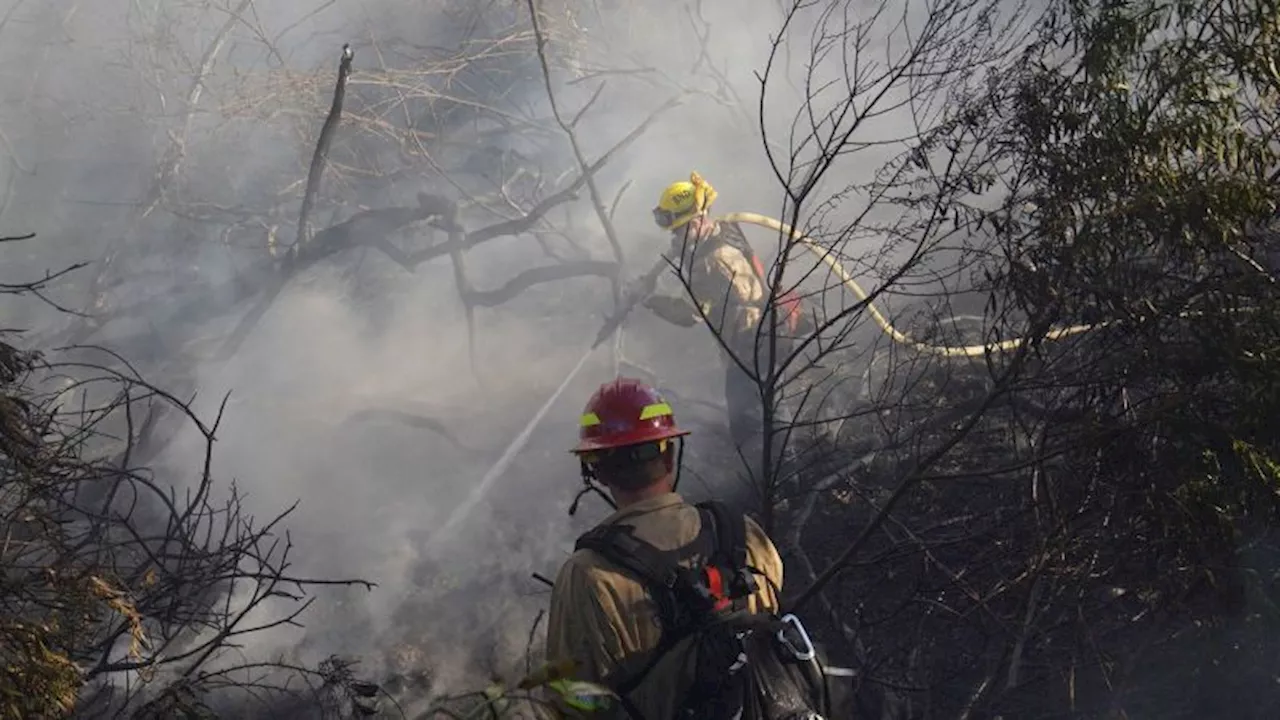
(603, 619)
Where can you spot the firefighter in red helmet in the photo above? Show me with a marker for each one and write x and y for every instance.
(602, 618)
(625, 413)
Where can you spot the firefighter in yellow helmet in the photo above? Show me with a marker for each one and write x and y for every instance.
(729, 290)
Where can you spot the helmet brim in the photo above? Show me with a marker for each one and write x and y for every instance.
(670, 221)
(639, 437)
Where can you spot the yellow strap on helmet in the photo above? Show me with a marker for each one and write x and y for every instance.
(655, 410)
(703, 193)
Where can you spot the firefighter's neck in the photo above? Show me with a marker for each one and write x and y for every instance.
(626, 498)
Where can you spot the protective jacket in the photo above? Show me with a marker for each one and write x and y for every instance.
(603, 620)
(727, 281)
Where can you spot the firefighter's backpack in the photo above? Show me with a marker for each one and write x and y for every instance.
(748, 666)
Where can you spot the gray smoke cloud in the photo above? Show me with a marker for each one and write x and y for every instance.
(95, 95)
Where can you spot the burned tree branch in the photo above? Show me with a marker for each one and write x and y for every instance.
(371, 227)
(597, 200)
(37, 288)
(321, 155)
(517, 226)
(170, 163)
(535, 276)
(117, 571)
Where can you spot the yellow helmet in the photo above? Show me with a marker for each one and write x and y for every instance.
(683, 201)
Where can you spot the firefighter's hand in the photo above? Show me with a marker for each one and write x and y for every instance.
(672, 309)
(805, 325)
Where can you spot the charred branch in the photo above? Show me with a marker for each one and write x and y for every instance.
(540, 275)
(316, 171)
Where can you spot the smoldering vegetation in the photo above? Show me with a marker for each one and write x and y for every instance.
(310, 324)
(378, 371)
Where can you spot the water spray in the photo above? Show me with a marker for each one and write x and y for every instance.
(645, 287)
(508, 455)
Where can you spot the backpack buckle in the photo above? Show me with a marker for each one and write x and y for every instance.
(805, 653)
(744, 583)
(712, 589)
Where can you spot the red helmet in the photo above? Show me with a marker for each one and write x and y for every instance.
(625, 412)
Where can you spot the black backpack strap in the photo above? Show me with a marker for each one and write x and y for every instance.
(731, 234)
(654, 568)
(658, 571)
(722, 542)
(730, 530)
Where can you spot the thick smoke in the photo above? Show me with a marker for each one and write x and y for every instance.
(96, 100)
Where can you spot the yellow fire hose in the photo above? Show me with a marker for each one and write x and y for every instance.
(520, 440)
(897, 335)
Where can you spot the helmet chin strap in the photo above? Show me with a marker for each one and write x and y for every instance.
(675, 481)
(591, 483)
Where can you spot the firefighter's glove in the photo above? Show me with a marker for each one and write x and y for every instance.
(673, 309)
(805, 325)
